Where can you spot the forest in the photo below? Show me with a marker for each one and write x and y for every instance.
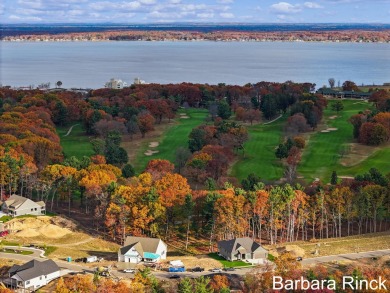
(194, 196)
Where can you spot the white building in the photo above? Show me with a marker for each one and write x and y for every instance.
(17, 205)
(142, 249)
(137, 80)
(33, 274)
(115, 84)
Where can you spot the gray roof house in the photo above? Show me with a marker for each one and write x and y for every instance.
(142, 249)
(33, 274)
(242, 249)
(17, 205)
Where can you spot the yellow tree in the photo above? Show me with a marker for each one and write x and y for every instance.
(172, 190)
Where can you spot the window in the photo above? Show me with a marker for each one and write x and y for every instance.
(40, 278)
(27, 282)
(35, 209)
(32, 210)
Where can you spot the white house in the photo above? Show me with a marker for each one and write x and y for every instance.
(142, 249)
(33, 274)
(115, 84)
(17, 205)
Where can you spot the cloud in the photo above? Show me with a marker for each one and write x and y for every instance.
(225, 1)
(226, 15)
(109, 6)
(147, 2)
(205, 15)
(285, 8)
(312, 5)
(174, 1)
(27, 18)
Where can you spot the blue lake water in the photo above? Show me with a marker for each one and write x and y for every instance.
(91, 64)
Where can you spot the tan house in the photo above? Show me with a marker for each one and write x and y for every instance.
(17, 205)
(242, 249)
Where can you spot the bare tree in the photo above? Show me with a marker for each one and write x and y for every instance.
(332, 82)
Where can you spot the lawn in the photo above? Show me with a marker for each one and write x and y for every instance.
(76, 143)
(323, 151)
(226, 263)
(379, 159)
(259, 157)
(351, 244)
(17, 251)
(173, 137)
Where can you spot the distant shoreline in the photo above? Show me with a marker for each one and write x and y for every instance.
(331, 36)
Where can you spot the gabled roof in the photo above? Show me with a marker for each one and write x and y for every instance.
(16, 202)
(240, 243)
(34, 269)
(147, 244)
(137, 246)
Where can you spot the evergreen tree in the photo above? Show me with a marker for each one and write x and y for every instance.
(334, 178)
(128, 171)
(224, 110)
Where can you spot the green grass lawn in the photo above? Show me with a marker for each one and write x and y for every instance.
(5, 219)
(174, 137)
(76, 143)
(259, 157)
(226, 263)
(379, 160)
(323, 151)
(17, 251)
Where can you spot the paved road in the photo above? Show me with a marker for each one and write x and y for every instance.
(73, 267)
(347, 256)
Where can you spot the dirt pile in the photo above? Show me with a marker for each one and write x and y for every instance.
(295, 250)
(48, 227)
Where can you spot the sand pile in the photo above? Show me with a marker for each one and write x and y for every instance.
(49, 227)
(295, 250)
(53, 231)
(29, 232)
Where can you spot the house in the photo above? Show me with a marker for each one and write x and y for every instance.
(142, 249)
(330, 93)
(33, 274)
(115, 84)
(242, 249)
(17, 205)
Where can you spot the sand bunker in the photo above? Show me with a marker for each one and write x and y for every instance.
(150, 152)
(154, 144)
(329, 129)
(183, 114)
(333, 117)
(184, 117)
(40, 227)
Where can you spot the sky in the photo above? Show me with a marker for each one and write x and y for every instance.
(220, 11)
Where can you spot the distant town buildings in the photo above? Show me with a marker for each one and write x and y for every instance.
(137, 80)
(115, 84)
